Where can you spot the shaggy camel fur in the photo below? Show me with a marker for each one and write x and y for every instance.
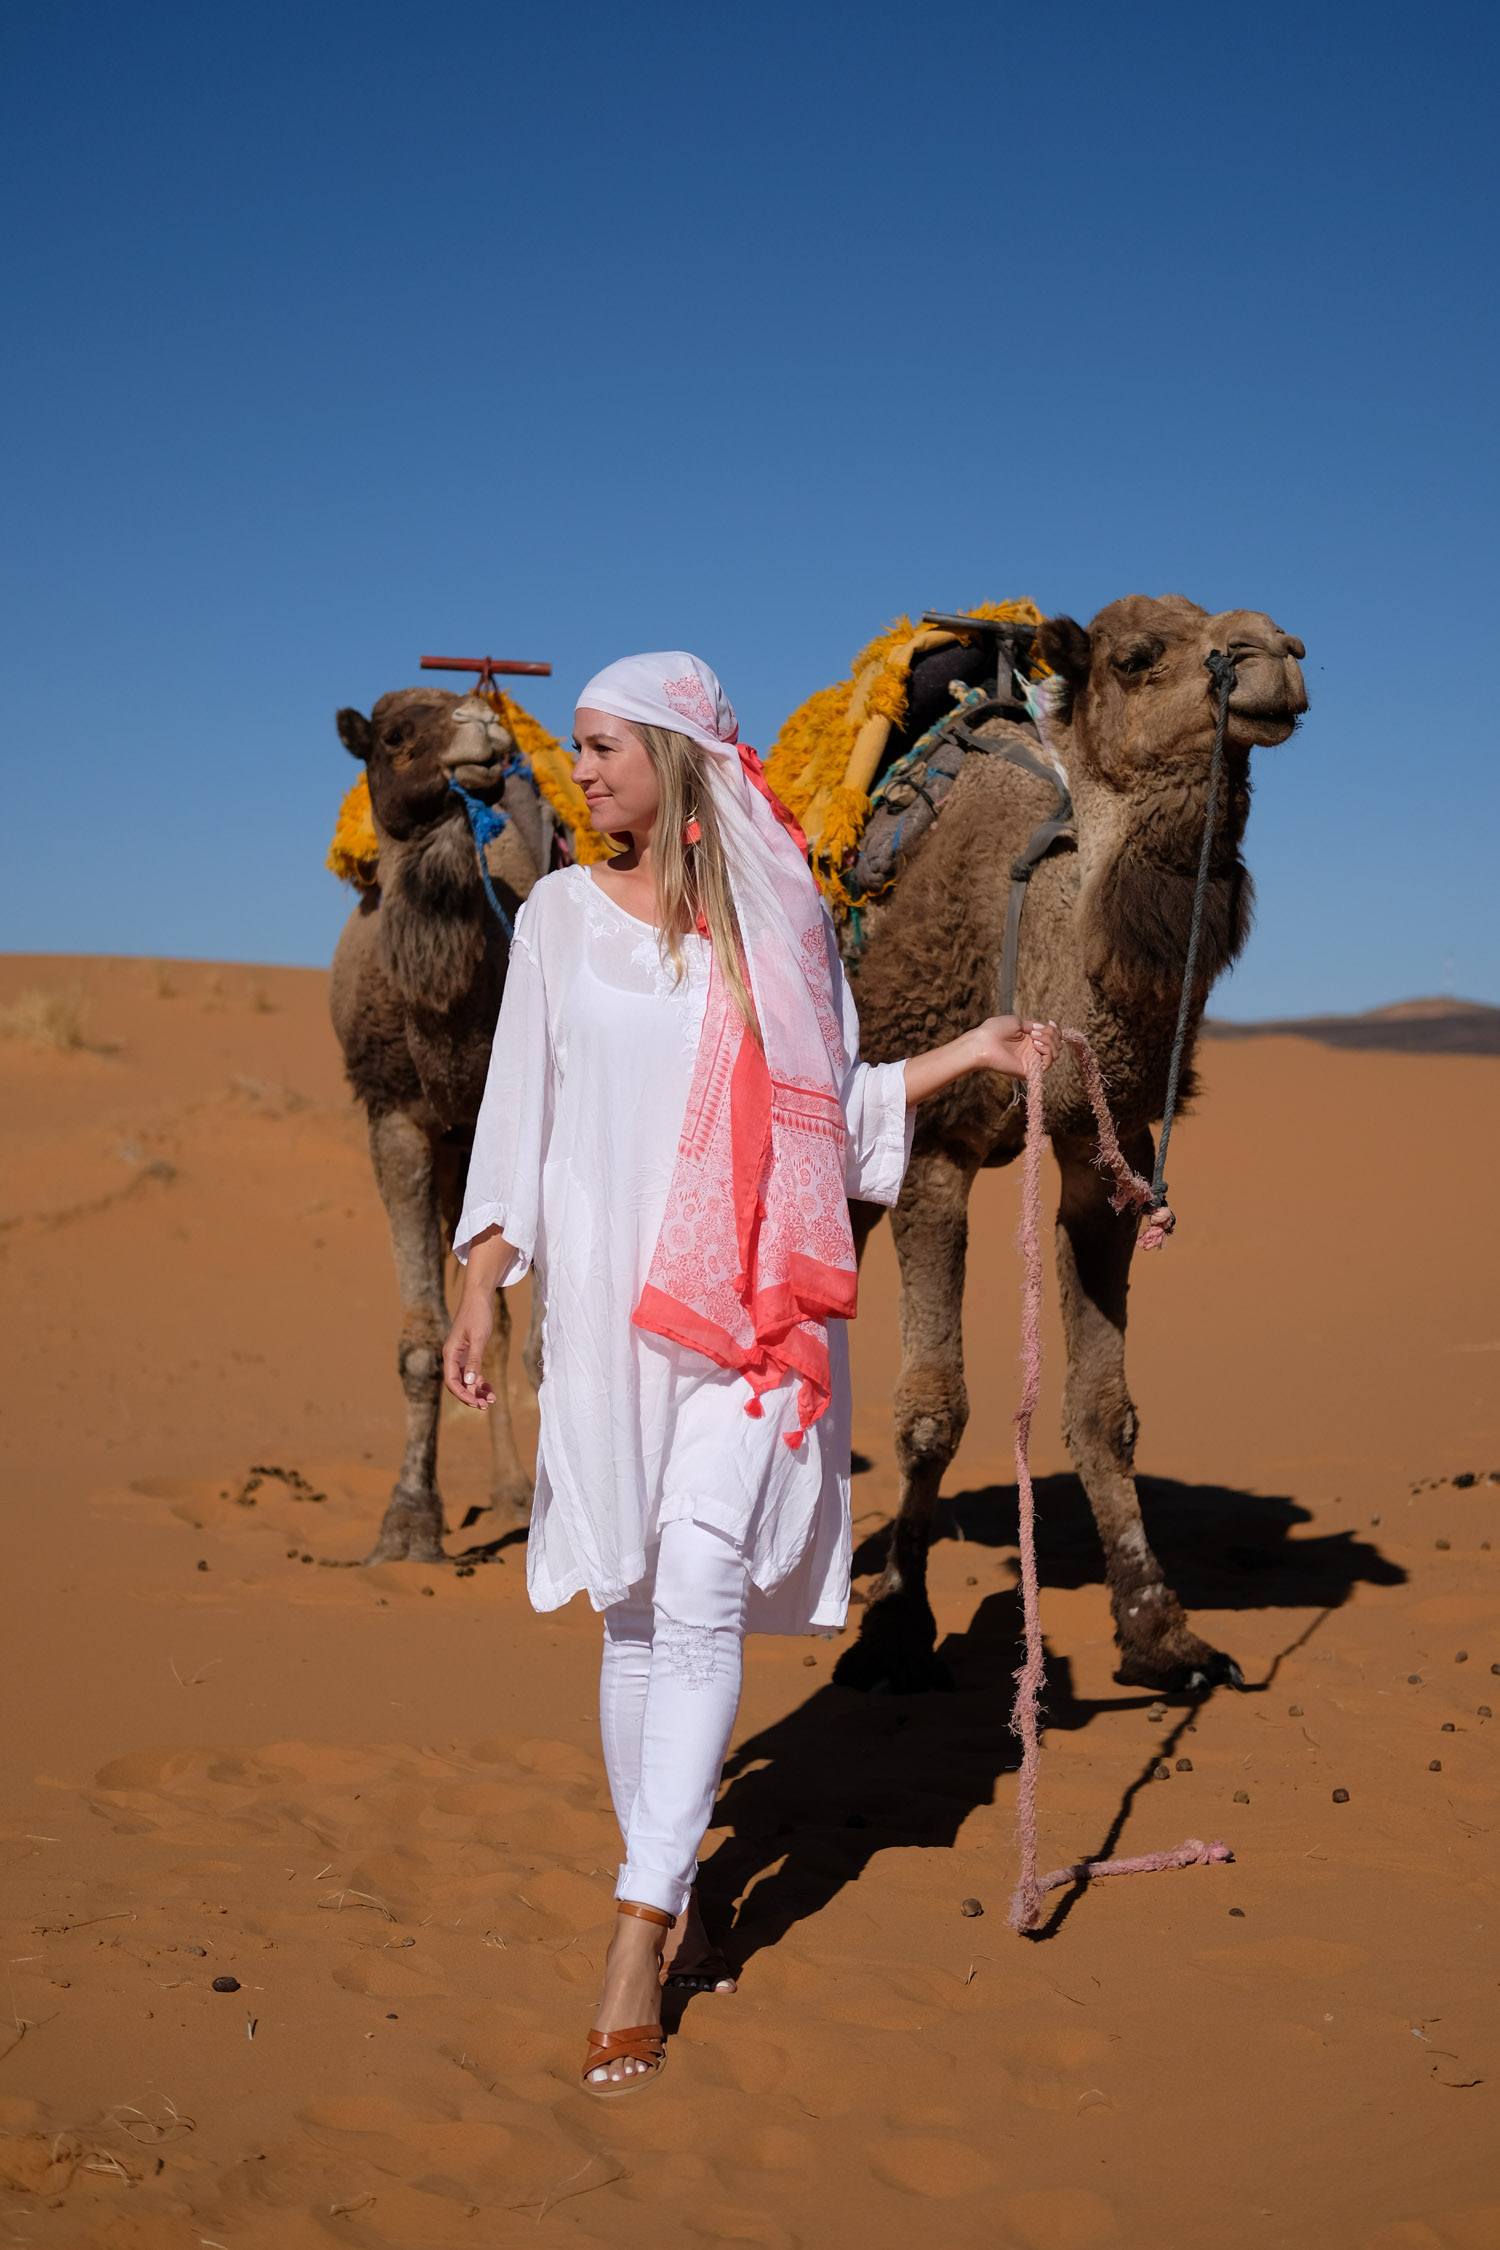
(417, 978)
(1102, 947)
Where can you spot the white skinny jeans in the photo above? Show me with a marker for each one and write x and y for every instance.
(669, 1687)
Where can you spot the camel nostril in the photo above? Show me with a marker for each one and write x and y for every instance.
(1294, 647)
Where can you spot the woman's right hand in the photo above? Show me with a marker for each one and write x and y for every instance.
(463, 1354)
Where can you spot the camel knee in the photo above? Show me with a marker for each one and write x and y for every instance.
(932, 1413)
(419, 1356)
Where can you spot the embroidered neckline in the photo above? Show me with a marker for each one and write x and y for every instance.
(651, 929)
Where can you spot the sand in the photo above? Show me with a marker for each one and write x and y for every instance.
(373, 1797)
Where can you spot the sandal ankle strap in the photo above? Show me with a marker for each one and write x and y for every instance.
(654, 1914)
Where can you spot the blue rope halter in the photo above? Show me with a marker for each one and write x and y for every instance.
(486, 823)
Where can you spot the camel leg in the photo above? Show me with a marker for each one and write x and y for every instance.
(1158, 1648)
(510, 1486)
(898, 1632)
(405, 1173)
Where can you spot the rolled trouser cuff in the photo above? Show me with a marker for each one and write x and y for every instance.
(649, 1886)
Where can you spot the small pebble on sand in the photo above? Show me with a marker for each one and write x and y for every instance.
(427, 1590)
(1374, 1523)
(1242, 1796)
(809, 1660)
(970, 1907)
(1446, 1727)
(1184, 1765)
(203, 1566)
(1341, 1796)
(226, 1984)
(1460, 1656)
(1294, 1710)
(971, 1581)
(1238, 1912)
(1484, 1712)
(1464, 1479)
(1414, 1679)
(1442, 1545)
(1434, 1765)
(1161, 1773)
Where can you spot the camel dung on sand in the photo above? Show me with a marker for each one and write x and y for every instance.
(415, 992)
(1130, 717)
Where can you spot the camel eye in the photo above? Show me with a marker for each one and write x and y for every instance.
(399, 733)
(1138, 657)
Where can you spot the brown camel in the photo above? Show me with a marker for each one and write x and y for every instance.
(417, 978)
(1102, 947)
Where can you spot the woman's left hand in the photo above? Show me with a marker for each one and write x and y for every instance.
(1006, 1044)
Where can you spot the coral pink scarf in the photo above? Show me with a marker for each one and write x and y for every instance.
(755, 1254)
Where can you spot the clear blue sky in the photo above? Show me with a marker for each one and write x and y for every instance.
(340, 333)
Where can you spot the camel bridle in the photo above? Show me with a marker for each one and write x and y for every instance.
(1059, 827)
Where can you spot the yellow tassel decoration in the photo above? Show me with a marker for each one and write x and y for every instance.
(355, 849)
(826, 756)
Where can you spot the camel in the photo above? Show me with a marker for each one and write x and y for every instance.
(416, 984)
(1102, 946)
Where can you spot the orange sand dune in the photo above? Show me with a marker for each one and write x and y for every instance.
(373, 1797)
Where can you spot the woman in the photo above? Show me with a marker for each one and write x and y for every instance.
(674, 1120)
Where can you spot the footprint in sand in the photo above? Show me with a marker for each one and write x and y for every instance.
(926, 2164)
(464, 2141)
(1053, 2069)
(387, 1975)
(1310, 1958)
(1062, 2219)
(1475, 2227)
(559, 1761)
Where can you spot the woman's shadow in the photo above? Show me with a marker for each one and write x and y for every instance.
(846, 1775)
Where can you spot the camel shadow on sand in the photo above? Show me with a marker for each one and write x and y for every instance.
(847, 1775)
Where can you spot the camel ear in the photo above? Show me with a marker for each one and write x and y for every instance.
(354, 733)
(1064, 644)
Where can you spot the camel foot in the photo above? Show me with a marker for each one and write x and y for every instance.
(412, 1530)
(512, 1496)
(1178, 1663)
(896, 1651)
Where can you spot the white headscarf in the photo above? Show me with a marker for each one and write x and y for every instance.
(755, 1253)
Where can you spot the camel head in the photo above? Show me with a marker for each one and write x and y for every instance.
(1133, 698)
(417, 740)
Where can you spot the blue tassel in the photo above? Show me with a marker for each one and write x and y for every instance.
(486, 822)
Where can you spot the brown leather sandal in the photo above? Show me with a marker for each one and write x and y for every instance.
(643, 2043)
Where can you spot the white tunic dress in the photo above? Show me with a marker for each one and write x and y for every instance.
(573, 1157)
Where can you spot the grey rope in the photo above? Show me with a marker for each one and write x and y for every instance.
(1222, 666)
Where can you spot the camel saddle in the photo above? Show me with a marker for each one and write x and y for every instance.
(979, 684)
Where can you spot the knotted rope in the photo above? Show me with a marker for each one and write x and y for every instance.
(1130, 1192)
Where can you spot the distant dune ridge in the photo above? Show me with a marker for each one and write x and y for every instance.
(1440, 1026)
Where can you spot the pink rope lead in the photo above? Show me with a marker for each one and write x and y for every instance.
(1130, 1191)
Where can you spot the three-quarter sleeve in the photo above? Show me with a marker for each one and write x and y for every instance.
(878, 1121)
(504, 1185)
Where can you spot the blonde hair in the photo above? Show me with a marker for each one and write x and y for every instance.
(692, 878)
